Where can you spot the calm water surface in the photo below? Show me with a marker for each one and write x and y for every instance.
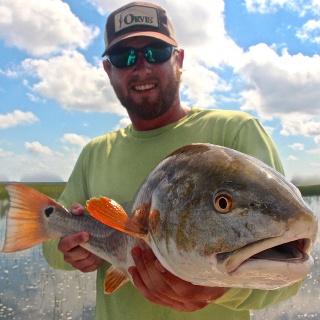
(30, 289)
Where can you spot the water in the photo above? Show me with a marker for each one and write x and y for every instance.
(30, 289)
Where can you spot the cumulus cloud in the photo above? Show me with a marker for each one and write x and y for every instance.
(15, 118)
(37, 149)
(5, 154)
(75, 139)
(42, 27)
(123, 123)
(280, 84)
(73, 82)
(297, 125)
(310, 31)
(293, 158)
(200, 89)
(266, 6)
(297, 146)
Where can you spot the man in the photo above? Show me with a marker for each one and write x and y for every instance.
(144, 65)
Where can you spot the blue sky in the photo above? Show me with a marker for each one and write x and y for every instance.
(259, 56)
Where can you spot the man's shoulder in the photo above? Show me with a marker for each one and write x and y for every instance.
(221, 115)
(106, 138)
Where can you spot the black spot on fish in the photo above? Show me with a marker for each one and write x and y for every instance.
(48, 212)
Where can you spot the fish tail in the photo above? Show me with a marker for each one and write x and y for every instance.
(112, 214)
(27, 218)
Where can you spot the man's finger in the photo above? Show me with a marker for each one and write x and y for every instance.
(68, 243)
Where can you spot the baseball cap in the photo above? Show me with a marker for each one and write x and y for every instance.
(138, 19)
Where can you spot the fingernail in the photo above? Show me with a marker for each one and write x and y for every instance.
(85, 237)
(159, 266)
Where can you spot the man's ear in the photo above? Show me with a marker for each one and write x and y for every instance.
(181, 57)
(106, 66)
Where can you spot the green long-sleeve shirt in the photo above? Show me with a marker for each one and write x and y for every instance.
(116, 164)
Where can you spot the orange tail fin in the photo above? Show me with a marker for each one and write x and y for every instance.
(112, 214)
(26, 218)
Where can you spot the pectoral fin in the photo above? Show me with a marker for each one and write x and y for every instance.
(112, 214)
(115, 278)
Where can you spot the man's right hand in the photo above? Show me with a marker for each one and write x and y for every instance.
(73, 253)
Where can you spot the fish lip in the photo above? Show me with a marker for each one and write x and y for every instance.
(300, 235)
(298, 248)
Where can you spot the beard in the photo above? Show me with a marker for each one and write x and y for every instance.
(146, 108)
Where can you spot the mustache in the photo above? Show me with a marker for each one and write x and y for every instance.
(142, 79)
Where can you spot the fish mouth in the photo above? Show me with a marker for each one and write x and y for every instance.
(272, 249)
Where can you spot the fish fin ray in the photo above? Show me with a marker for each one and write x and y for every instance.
(25, 225)
(115, 278)
(112, 214)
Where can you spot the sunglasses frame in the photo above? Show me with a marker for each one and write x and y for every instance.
(135, 52)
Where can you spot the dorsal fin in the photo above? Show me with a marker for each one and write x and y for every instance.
(111, 213)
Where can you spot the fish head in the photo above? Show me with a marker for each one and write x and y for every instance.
(218, 217)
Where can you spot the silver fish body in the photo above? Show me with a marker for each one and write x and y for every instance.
(213, 216)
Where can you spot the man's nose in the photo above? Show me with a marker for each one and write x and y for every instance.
(142, 64)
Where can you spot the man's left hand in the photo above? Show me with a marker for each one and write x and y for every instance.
(160, 286)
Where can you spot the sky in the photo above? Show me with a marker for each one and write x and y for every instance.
(258, 56)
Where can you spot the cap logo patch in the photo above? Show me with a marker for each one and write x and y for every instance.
(136, 16)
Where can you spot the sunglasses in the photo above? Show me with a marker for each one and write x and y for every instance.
(124, 57)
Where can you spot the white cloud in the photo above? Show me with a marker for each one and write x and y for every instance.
(310, 31)
(37, 149)
(16, 118)
(266, 6)
(317, 139)
(293, 158)
(297, 146)
(43, 26)
(73, 82)
(75, 139)
(200, 90)
(314, 151)
(123, 123)
(295, 125)
(5, 154)
(279, 85)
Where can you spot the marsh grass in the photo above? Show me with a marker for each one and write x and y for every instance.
(54, 189)
(51, 189)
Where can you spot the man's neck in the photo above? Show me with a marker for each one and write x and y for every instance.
(172, 115)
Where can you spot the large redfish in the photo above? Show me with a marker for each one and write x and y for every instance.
(213, 216)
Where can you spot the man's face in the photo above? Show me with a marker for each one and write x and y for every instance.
(147, 90)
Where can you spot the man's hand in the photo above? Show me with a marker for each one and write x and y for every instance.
(73, 253)
(162, 287)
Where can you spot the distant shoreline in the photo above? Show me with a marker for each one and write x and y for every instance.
(54, 189)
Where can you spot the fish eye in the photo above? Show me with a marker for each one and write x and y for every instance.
(223, 202)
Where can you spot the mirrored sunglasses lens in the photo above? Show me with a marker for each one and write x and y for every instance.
(123, 58)
(158, 55)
